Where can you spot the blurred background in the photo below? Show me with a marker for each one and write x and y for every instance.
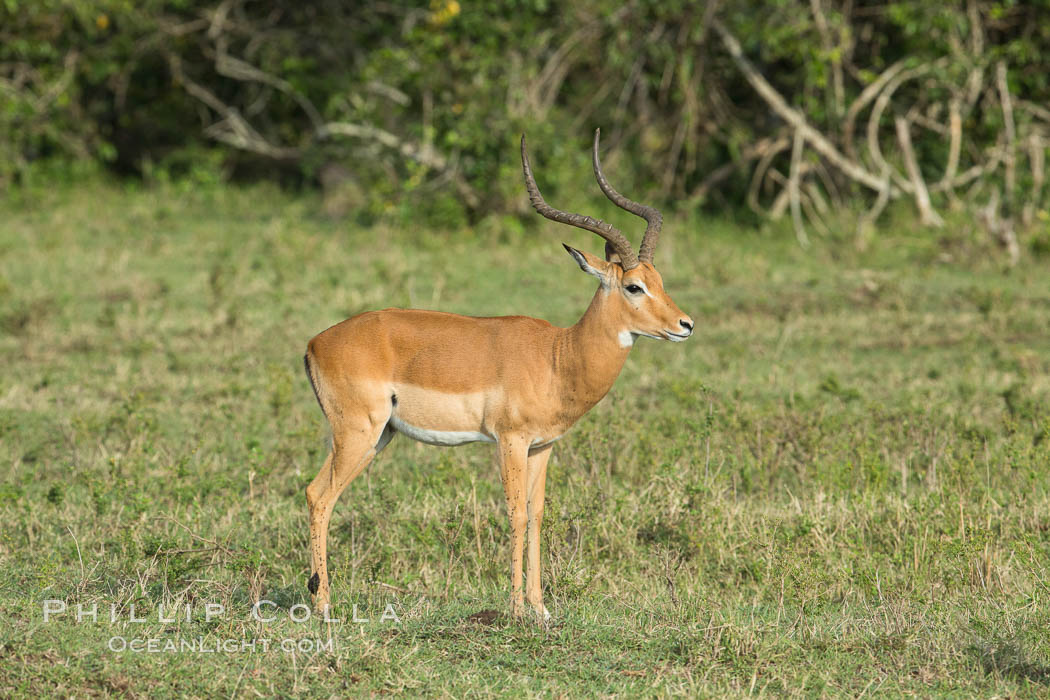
(817, 111)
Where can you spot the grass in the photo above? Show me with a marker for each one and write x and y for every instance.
(839, 486)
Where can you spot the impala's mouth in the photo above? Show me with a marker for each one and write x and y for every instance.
(677, 337)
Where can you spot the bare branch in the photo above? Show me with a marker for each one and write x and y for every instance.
(425, 154)
(1034, 109)
(234, 129)
(545, 89)
(820, 144)
(972, 173)
(927, 215)
(1010, 133)
(976, 78)
(767, 156)
(1001, 229)
(866, 96)
(829, 48)
(389, 92)
(874, 149)
(954, 142)
(233, 67)
(868, 220)
(797, 145)
(760, 149)
(1037, 162)
(218, 18)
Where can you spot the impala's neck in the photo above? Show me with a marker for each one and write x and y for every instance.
(595, 350)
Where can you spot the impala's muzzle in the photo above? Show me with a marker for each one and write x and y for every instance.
(684, 330)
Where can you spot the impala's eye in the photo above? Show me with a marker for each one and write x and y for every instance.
(634, 289)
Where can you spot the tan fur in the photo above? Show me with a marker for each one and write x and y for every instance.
(517, 381)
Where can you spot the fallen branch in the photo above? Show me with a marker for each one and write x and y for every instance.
(972, 173)
(1037, 162)
(1010, 132)
(868, 220)
(797, 145)
(233, 129)
(751, 152)
(796, 119)
(1001, 229)
(760, 172)
(233, 67)
(927, 215)
(954, 141)
(236, 131)
(838, 89)
(829, 184)
(976, 78)
(1035, 110)
(866, 96)
(811, 208)
(874, 120)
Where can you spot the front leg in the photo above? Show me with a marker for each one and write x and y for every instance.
(513, 453)
(536, 489)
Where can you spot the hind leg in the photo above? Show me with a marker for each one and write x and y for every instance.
(352, 451)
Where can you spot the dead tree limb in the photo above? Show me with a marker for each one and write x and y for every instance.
(972, 173)
(976, 78)
(1010, 132)
(238, 69)
(874, 120)
(760, 149)
(236, 131)
(837, 86)
(1037, 162)
(866, 96)
(425, 154)
(795, 118)
(233, 129)
(759, 175)
(927, 215)
(865, 222)
(797, 146)
(1035, 110)
(1001, 229)
(954, 141)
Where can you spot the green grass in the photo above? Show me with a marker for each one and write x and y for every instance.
(839, 486)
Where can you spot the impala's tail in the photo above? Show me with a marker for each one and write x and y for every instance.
(313, 381)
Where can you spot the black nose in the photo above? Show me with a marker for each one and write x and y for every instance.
(686, 325)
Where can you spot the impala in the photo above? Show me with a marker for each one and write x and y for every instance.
(514, 381)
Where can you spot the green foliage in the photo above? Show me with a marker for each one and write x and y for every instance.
(401, 110)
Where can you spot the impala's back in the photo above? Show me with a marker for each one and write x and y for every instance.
(436, 377)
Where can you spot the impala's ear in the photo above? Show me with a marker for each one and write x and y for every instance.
(590, 264)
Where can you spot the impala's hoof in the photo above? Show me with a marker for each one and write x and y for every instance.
(313, 584)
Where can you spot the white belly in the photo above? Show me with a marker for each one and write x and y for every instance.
(448, 438)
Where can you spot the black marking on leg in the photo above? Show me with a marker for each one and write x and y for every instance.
(393, 399)
(314, 583)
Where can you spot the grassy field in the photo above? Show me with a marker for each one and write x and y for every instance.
(839, 487)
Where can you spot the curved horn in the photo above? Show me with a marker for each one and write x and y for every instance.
(652, 217)
(616, 240)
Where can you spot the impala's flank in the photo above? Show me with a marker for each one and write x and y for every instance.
(515, 381)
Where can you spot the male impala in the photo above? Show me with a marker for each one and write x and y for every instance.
(515, 381)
